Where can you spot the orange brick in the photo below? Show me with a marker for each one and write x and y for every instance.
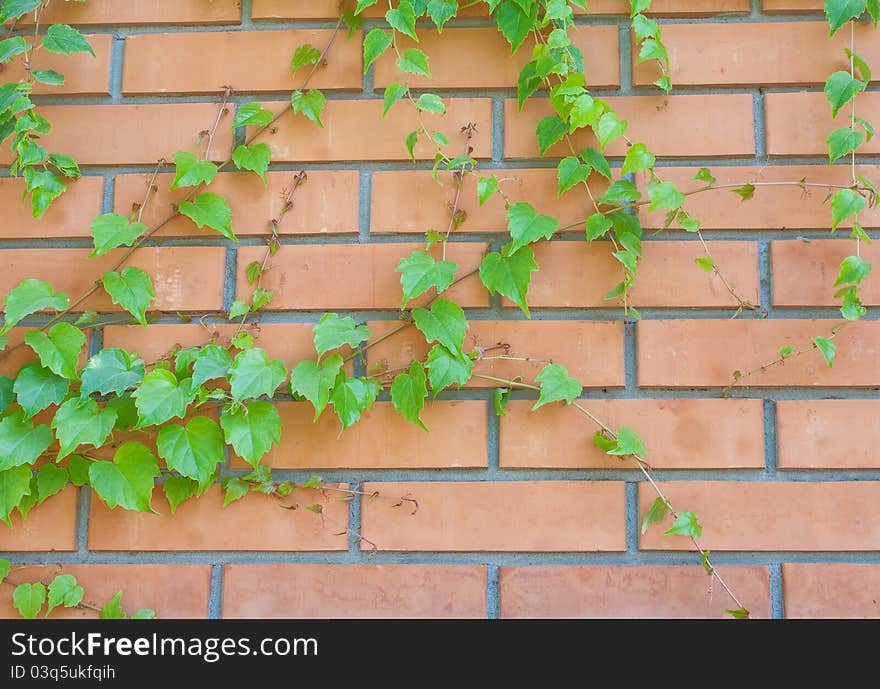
(539, 516)
(453, 54)
(308, 276)
(656, 120)
(629, 592)
(145, 12)
(692, 353)
(184, 278)
(69, 216)
(772, 208)
(804, 272)
(382, 439)
(793, 5)
(809, 434)
(799, 123)
(215, 60)
(344, 136)
(839, 516)
(171, 591)
(576, 274)
(591, 350)
(51, 526)
(831, 591)
(393, 192)
(748, 54)
(256, 522)
(355, 591)
(679, 434)
(327, 203)
(290, 342)
(133, 134)
(84, 74)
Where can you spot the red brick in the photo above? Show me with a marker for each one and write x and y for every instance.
(184, 278)
(354, 591)
(382, 439)
(839, 516)
(754, 54)
(256, 522)
(84, 74)
(51, 526)
(576, 274)
(656, 120)
(785, 207)
(831, 591)
(692, 353)
(804, 272)
(215, 60)
(539, 516)
(327, 203)
(591, 350)
(629, 592)
(393, 210)
(799, 123)
(69, 216)
(132, 134)
(811, 434)
(171, 591)
(680, 434)
(308, 276)
(453, 54)
(290, 342)
(343, 135)
(793, 5)
(145, 12)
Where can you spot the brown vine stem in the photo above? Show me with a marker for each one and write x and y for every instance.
(743, 303)
(38, 13)
(161, 223)
(226, 93)
(739, 377)
(642, 466)
(852, 121)
(151, 189)
(458, 177)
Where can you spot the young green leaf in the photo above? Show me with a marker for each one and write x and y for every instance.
(705, 175)
(526, 225)
(550, 130)
(403, 19)
(430, 102)
(515, 20)
(212, 361)
(351, 397)
(597, 162)
(252, 114)
(827, 348)
(112, 230)
(28, 599)
(408, 393)
(64, 39)
(376, 43)
(842, 142)
(706, 263)
(664, 195)
(128, 480)
(840, 89)
(609, 128)
(332, 332)
(132, 289)
(443, 322)
(419, 272)
(49, 77)
(446, 368)
(251, 429)
(112, 370)
(655, 514)
(839, 12)
(254, 158)
(5, 567)
(15, 484)
(191, 171)
(414, 61)
(393, 93)
(500, 397)
(113, 610)
(569, 173)
(486, 187)
(63, 590)
(628, 443)
(253, 375)
(304, 55)
(685, 524)
(161, 398)
(194, 450)
(79, 421)
(59, 349)
(597, 225)
(638, 158)
(745, 192)
(22, 443)
(37, 388)
(311, 104)
(178, 490)
(441, 11)
(844, 204)
(29, 297)
(209, 210)
(315, 380)
(51, 480)
(556, 386)
(852, 269)
(509, 275)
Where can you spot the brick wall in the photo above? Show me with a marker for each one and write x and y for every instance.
(519, 516)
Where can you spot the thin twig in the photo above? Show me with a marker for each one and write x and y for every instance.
(220, 113)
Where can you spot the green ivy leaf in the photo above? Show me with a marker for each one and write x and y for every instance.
(597, 162)
(332, 332)
(253, 375)
(827, 348)
(556, 386)
(393, 93)
(51, 480)
(430, 102)
(351, 397)
(16, 9)
(5, 567)
(21, 443)
(112, 230)
(234, 489)
(376, 43)
(621, 192)
(178, 490)
(414, 61)
(132, 290)
(664, 195)
(113, 610)
(15, 484)
(58, 350)
(655, 514)
(569, 173)
(64, 591)
(209, 210)
(509, 275)
(408, 394)
(443, 322)
(844, 204)
(628, 443)
(49, 77)
(597, 226)
(705, 263)
(254, 158)
(840, 89)
(486, 187)
(403, 19)
(128, 480)
(191, 171)
(638, 158)
(252, 114)
(311, 104)
(194, 450)
(446, 368)
(161, 398)
(526, 225)
(839, 12)
(411, 140)
(212, 361)
(609, 128)
(314, 380)
(64, 39)
(29, 297)
(746, 192)
(852, 269)
(304, 55)
(550, 130)
(843, 141)
(251, 429)
(78, 467)
(705, 175)
(79, 421)
(112, 370)
(419, 272)
(515, 21)
(686, 524)
(28, 599)
(441, 11)
(37, 388)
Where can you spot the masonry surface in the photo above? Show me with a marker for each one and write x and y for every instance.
(519, 515)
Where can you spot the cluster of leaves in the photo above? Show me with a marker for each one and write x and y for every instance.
(63, 591)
